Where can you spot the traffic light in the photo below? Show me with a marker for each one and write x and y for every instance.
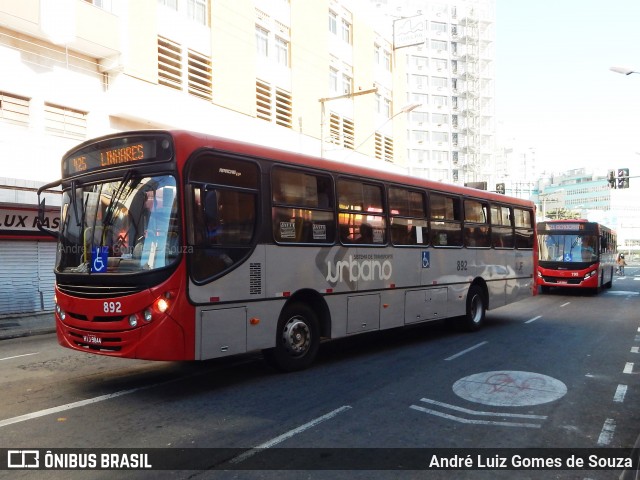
(500, 188)
(611, 179)
(623, 178)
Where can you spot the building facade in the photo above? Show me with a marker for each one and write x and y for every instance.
(450, 60)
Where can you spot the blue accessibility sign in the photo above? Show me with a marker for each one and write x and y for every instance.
(426, 262)
(99, 256)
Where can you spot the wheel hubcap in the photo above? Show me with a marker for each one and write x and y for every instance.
(296, 336)
(476, 308)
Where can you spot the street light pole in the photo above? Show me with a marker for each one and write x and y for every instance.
(339, 97)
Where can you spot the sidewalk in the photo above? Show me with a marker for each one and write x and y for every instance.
(22, 325)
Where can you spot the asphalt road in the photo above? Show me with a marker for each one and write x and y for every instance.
(554, 371)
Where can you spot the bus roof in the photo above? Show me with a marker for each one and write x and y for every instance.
(189, 141)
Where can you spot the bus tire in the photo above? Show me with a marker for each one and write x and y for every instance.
(476, 310)
(297, 339)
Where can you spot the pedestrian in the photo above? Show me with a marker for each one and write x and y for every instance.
(621, 264)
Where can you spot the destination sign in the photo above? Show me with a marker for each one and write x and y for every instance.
(116, 152)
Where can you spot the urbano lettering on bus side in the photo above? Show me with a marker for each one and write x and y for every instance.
(359, 270)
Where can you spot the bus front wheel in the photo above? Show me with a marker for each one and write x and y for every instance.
(297, 339)
(476, 309)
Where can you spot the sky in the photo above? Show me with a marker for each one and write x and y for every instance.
(554, 89)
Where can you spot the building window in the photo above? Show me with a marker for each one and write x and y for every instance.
(171, 65)
(14, 109)
(173, 4)
(197, 11)
(439, 82)
(273, 104)
(438, 27)
(282, 52)
(439, 45)
(333, 22)
(387, 61)
(383, 147)
(347, 84)
(346, 31)
(262, 42)
(64, 121)
(200, 76)
(341, 131)
(333, 80)
(103, 4)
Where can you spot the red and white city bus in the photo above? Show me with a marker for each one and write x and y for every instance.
(183, 246)
(575, 254)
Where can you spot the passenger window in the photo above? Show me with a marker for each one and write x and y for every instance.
(524, 228)
(501, 229)
(476, 224)
(302, 207)
(361, 216)
(408, 223)
(445, 221)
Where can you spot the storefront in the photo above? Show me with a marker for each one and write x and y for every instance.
(27, 258)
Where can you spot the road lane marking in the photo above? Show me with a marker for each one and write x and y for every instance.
(472, 421)
(635, 349)
(69, 406)
(484, 414)
(18, 356)
(628, 368)
(289, 434)
(564, 304)
(452, 357)
(533, 319)
(606, 435)
(621, 391)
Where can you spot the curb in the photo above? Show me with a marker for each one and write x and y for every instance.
(22, 325)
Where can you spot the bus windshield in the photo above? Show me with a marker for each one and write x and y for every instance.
(571, 248)
(126, 225)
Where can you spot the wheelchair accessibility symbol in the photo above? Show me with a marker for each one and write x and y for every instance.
(568, 257)
(99, 257)
(426, 263)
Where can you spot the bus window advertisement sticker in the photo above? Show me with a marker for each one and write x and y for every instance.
(287, 230)
(99, 258)
(319, 232)
(426, 260)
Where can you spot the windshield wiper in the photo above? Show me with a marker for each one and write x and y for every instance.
(115, 198)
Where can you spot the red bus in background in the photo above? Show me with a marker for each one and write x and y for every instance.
(183, 246)
(575, 254)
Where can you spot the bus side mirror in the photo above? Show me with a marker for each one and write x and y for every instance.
(40, 218)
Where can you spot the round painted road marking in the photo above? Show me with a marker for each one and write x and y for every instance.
(506, 388)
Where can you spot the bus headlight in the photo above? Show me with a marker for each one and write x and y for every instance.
(148, 315)
(590, 274)
(61, 313)
(133, 320)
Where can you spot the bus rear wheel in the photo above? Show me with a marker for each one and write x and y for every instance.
(476, 310)
(297, 339)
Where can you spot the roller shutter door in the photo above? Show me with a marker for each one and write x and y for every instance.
(26, 276)
(46, 278)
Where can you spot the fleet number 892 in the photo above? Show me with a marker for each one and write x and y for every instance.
(112, 307)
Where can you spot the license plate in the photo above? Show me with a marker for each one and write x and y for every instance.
(563, 281)
(92, 339)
